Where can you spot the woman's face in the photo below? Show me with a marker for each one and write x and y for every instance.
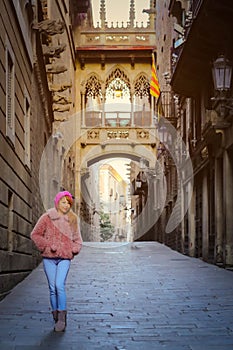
(63, 206)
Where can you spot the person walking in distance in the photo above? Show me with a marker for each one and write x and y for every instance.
(58, 238)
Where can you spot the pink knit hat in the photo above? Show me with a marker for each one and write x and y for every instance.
(62, 194)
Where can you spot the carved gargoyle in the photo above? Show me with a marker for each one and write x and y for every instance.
(55, 69)
(61, 108)
(53, 51)
(50, 26)
(61, 99)
(59, 88)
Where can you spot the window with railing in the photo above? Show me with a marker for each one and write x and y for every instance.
(166, 105)
(120, 104)
(116, 119)
(93, 118)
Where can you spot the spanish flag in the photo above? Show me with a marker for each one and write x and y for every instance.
(154, 83)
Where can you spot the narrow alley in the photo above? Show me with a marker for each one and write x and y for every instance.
(138, 296)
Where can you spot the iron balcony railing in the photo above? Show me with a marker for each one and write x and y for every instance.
(166, 105)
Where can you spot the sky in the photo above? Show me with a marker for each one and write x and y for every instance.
(118, 10)
(120, 165)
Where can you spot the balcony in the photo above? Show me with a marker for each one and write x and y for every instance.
(116, 119)
(167, 106)
(203, 40)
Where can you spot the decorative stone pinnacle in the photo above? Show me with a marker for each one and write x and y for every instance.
(132, 13)
(102, 13)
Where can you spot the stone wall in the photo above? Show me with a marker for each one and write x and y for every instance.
(25, 124)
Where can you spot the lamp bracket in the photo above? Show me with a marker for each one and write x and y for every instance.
(223, 105)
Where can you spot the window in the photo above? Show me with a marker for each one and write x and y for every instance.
(27, 112)
(10, 92)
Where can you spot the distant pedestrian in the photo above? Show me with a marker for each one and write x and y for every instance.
(58, 238)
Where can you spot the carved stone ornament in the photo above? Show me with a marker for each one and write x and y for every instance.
(59, 88)
(61, 99)
(53, 51)
(93, 134)
(61, 108)
(50, 26)
(142, 134)
(55, 68)
(118, 134)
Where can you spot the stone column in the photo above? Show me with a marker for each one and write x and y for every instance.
(103, 111)
(181, 214)
(219, 213)
(228, 191)
(83, 122)
(132, 109)
(205, 216)
(192, 233)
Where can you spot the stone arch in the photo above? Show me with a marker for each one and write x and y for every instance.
(93, 97)
(118, 72)
(93, 86)
(100, 157)
(118, 150)
(117, 79)
(141, 86)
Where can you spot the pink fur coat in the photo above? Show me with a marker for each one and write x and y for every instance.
(57, 236)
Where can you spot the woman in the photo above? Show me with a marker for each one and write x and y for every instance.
(58, 238)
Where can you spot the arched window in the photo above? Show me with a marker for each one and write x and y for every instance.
(93, 101)
(118, 85)
(93, 87)
(117, 103)
(142, 101)
(142, 87)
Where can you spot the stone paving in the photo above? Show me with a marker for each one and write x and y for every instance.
(138, 296)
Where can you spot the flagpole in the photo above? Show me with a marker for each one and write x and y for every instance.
(152, 110)
(152, 100)
(154, 89)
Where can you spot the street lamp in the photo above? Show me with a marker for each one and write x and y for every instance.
(222, 72)
(165, 135)
(222, 76)
(165, 138)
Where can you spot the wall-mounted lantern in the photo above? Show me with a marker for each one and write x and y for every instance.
(222, 73)
(222, 78)
(165, 139)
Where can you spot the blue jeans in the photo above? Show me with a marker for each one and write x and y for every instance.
(56, 271)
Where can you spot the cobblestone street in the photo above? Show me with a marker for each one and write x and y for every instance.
(138, 296)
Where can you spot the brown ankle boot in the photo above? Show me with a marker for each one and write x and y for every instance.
(55, 315)
(60, 326)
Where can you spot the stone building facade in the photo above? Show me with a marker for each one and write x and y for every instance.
(26, 123)
(200, 32)
(113, 65)
(38, 94)
(54, 124)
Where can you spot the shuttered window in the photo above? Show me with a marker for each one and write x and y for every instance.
(10, 92)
